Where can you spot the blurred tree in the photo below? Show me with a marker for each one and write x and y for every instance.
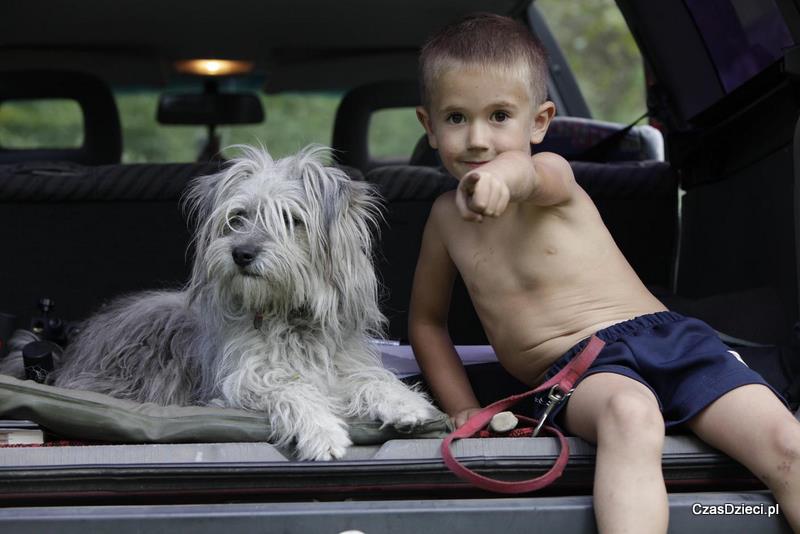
(52, 123)
(292, 121)
(602, 54)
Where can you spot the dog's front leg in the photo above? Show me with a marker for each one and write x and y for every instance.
(374, 392)
(298, 411)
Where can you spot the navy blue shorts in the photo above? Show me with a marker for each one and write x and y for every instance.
(680, 359)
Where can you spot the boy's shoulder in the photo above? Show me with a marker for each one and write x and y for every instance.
(551, 157)
(553, 162)
(445, 203)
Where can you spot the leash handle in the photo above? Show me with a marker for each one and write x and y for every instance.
(564, 380)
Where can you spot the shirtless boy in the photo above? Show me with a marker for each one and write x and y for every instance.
(544, 274)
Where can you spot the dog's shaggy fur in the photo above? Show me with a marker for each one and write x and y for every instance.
(277, 316)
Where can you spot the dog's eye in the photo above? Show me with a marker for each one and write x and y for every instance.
(236, 219)
(291, 220)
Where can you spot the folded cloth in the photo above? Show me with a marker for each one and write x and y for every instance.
(87, 415)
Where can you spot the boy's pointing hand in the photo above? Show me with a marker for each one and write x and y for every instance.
(481, 193)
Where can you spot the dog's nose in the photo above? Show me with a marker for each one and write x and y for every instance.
(244, 255)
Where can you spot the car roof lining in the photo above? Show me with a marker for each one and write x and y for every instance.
(285, 39)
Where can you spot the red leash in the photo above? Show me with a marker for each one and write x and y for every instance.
(560, 386)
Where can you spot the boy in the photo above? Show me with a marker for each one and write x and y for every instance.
(544, 274)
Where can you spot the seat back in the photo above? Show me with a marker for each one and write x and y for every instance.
(83, 235)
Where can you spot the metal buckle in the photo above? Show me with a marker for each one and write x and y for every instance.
(554, 398)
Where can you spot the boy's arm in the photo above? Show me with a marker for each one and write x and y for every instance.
(430, 340)
(544, 179)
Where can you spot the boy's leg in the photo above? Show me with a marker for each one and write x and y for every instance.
(752, 426)
(623, 418)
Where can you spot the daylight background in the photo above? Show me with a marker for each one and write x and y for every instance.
(592, 34)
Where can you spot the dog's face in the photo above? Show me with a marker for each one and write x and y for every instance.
(259, 241)
(277, 237)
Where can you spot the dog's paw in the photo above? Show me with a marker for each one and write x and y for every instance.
(411, 411)
(328, 443)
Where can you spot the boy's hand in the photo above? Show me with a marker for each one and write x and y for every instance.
(460, 418)
(481, 193)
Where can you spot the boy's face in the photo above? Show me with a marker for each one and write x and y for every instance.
(477, 113)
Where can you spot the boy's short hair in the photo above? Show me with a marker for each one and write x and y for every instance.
(488, 40)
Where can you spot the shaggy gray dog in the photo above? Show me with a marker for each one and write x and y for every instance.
(277, 316)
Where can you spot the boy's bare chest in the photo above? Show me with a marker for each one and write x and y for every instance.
(497, 257)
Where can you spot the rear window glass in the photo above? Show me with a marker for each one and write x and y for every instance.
(393, 133)
(40, 124)
(292, 120)
(743, 37)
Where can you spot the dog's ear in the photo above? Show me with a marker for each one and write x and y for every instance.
(198, 205)
(348, 214)
(351, 229)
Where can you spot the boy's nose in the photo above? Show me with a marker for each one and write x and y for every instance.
(478, 137)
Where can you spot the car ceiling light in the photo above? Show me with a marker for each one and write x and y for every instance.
(213, 67)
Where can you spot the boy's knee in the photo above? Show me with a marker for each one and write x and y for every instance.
(785, 444)
(778, 464)
(633, 418)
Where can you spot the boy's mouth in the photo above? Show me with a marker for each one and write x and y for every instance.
(474, 164)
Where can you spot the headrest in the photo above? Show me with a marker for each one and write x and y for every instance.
(102, 135)
(423, 154)
(571, 137)
(351, 126)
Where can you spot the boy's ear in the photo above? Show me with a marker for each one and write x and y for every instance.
(425, 120)
(542, 120)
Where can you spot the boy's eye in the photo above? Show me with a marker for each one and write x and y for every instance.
(500, 116)
(455, 118)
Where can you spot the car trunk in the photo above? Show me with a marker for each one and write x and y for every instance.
(734, 242)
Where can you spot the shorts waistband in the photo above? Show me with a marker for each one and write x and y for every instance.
(615, 332)
(631, 326)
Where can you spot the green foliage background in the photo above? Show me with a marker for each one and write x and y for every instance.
(602, 54)
(592, 34)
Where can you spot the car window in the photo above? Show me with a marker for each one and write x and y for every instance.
(45, 123)
(602, 55)
(292, 121)
(393, 133)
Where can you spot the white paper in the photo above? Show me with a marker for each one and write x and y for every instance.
(400, 358)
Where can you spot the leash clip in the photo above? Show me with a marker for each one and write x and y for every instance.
(554, 397)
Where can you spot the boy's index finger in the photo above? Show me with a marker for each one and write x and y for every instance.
(470, 182)
(463, 207)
